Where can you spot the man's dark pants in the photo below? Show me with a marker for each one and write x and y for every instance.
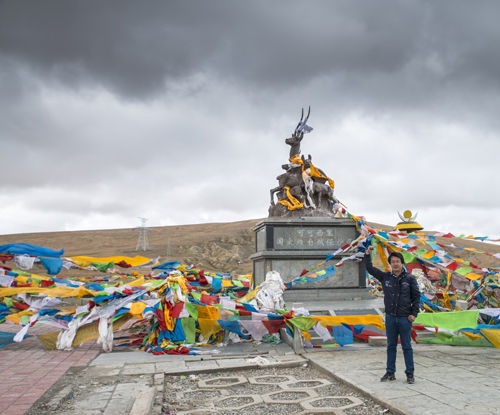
(398, 326)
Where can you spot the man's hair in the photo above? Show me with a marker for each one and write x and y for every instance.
(397, 255)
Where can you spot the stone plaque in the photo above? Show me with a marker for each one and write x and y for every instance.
(290, 246)
(312, 237)
(347, 276)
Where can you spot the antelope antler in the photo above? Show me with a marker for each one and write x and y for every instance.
(300, 122)
(308, 113)
(302, 125)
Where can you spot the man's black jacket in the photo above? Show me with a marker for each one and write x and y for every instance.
(401, 294)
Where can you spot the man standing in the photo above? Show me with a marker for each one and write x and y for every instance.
(401, 300)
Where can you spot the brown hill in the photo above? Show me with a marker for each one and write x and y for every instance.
(224, 247)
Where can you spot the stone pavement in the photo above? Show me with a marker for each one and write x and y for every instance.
(217, 359)
(28, 370)
(449, 379)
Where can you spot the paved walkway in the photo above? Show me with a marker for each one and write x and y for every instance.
(28, 370)
(449, 380)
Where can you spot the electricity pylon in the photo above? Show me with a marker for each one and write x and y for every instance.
(143, 241)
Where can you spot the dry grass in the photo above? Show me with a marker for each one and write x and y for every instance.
(223, 247)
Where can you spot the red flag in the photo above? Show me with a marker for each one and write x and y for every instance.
(274, 326)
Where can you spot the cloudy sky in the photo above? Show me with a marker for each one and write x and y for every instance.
(177, 111)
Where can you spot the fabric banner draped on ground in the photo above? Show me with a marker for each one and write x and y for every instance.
(175, 308)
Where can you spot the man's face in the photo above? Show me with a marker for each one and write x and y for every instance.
(396, 265)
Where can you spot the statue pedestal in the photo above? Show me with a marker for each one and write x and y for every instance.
(290, 246)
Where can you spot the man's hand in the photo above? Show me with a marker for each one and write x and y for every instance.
(369, 250)
(411, 318)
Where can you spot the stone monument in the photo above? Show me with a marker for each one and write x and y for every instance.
(306, 223)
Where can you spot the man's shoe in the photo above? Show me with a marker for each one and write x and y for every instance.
(388, 376)
(410, 378)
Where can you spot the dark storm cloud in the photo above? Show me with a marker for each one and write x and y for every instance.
(381, 54)
(128, 47)
(135, 49)
(176, 102)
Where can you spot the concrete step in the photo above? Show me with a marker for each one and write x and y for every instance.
(321, 295)
(143, 402)
(331, 308)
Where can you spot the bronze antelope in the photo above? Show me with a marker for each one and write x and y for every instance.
(298, 134)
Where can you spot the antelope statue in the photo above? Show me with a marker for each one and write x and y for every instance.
(298, 134)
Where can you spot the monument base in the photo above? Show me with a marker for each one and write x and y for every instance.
(310, 295)
(291, 246)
